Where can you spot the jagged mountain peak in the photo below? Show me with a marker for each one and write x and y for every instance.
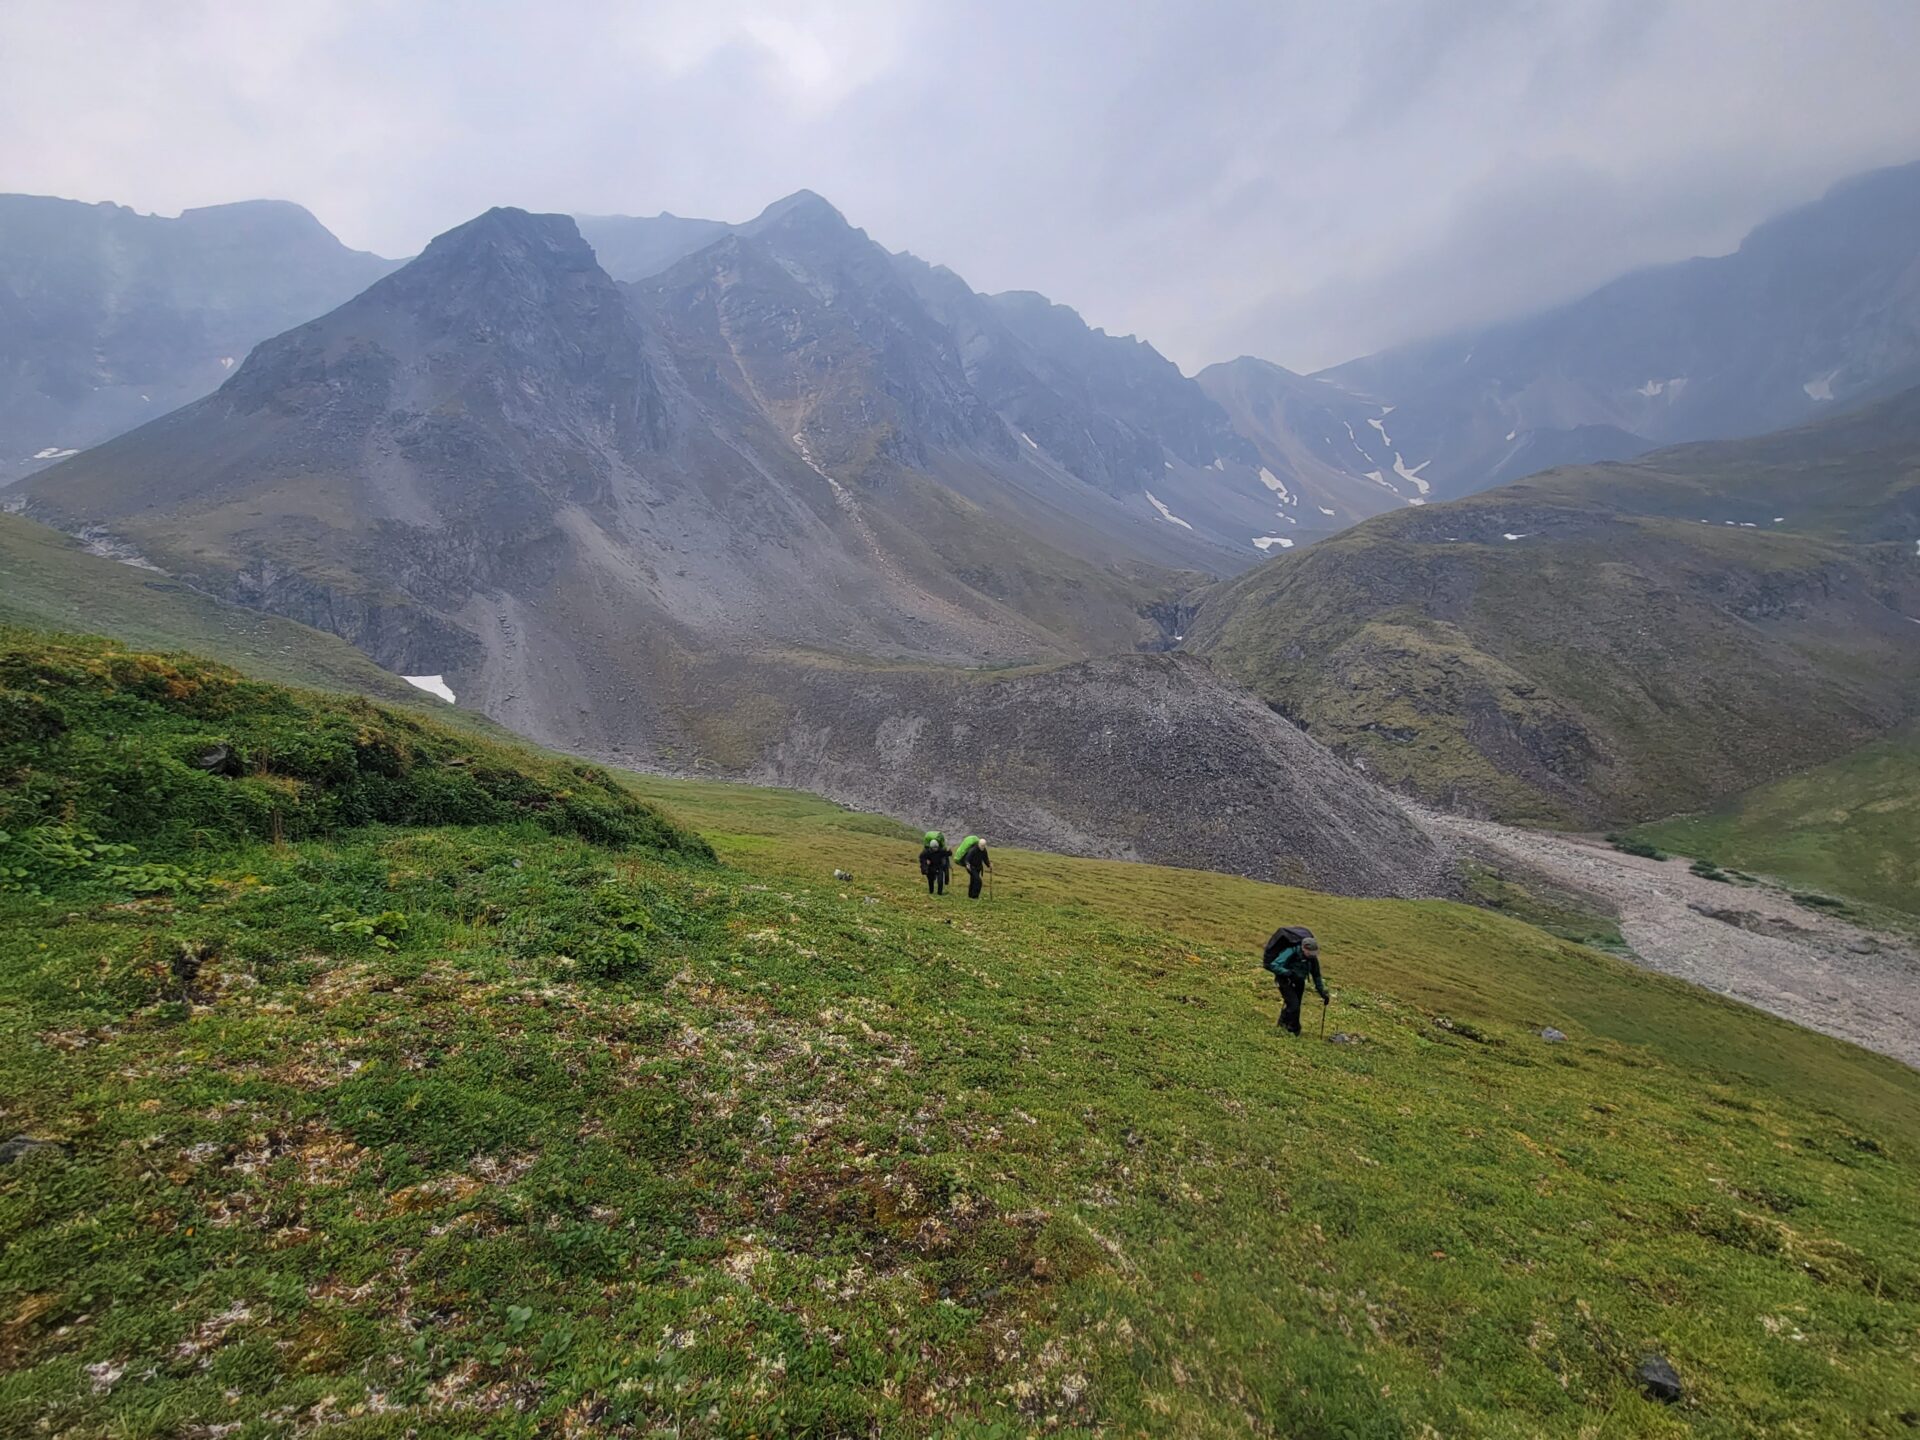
(505, 263)
(801, 207)
(506, 227)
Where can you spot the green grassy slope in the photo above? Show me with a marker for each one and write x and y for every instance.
(1581, 648)
(498, 1128)
(51, 583)
(1850, 827)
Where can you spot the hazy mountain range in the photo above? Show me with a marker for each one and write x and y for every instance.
(110, 318)
(759, 497)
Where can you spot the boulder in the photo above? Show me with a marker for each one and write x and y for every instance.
(1659, 1379)
(21, 1145)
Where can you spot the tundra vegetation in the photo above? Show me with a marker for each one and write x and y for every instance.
(402, 1082)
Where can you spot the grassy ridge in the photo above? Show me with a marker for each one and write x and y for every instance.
(174, 752)
(54, 584)
(1850, 827)
(366, 1132)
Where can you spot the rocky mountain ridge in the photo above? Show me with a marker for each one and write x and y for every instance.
(109, 318)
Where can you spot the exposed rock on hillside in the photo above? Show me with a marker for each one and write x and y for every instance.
(1140, 757)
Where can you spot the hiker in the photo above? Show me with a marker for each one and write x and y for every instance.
(1292, 958)
(973, 858)
(936, 863)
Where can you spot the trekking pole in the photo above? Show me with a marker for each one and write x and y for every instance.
(1323, 1019)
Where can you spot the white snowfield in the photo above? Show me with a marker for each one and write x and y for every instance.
(1165, 513)
(1028, 438)
(1267, 542)
(1821, 386)
(432, 684)
(1413, 475)
(53, 452)
(1323, 510)
(1509, 535)
(1274, 483)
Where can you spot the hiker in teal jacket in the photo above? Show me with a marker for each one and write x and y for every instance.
(1293, 958)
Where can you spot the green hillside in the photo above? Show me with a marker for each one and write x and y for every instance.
(484, 1102)
(1851, 827)
(52, 583)
(1607, 643)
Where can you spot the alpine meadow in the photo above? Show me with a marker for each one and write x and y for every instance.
(616, 822)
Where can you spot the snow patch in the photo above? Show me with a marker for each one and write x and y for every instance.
(1388, 439)
(1267, 542)
(1028, 438)
(1219, 464)
(1779, 519)
(1512, 433)
(226, 362)
(1820, 387)
(1413, 475)
(1165, 513)
(1509, 535)
(1323, 510)
(1273, 483)
(53, 452)
(1651, 388)
(432, 684)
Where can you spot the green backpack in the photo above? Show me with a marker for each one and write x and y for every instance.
(935, 840)
(966, 845)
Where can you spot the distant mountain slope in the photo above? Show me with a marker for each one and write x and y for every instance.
(1136, 757)
(638, 247)
(1613, 642)
(1331, 444)
(1817, 309)
(109, 318)
(495, 424)
(750, 517)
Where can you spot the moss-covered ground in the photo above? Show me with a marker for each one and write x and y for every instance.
(534, 1119)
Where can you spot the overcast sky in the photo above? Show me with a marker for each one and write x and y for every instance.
(1303, 181)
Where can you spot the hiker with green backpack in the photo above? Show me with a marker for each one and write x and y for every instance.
(1293, 957)
(936, 863)
(974, 859)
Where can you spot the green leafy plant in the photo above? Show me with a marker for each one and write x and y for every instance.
(384, 931)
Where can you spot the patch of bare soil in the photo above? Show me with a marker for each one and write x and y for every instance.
(1751, 942)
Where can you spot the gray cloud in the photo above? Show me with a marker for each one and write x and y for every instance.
(1298, 180)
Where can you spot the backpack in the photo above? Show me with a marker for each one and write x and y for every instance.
(1285, 938)
(966, 845)
(935, 840)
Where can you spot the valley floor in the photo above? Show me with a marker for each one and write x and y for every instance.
(1753, 943)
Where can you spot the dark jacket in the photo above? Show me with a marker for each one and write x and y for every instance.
(1290, 962)
(935, 859)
